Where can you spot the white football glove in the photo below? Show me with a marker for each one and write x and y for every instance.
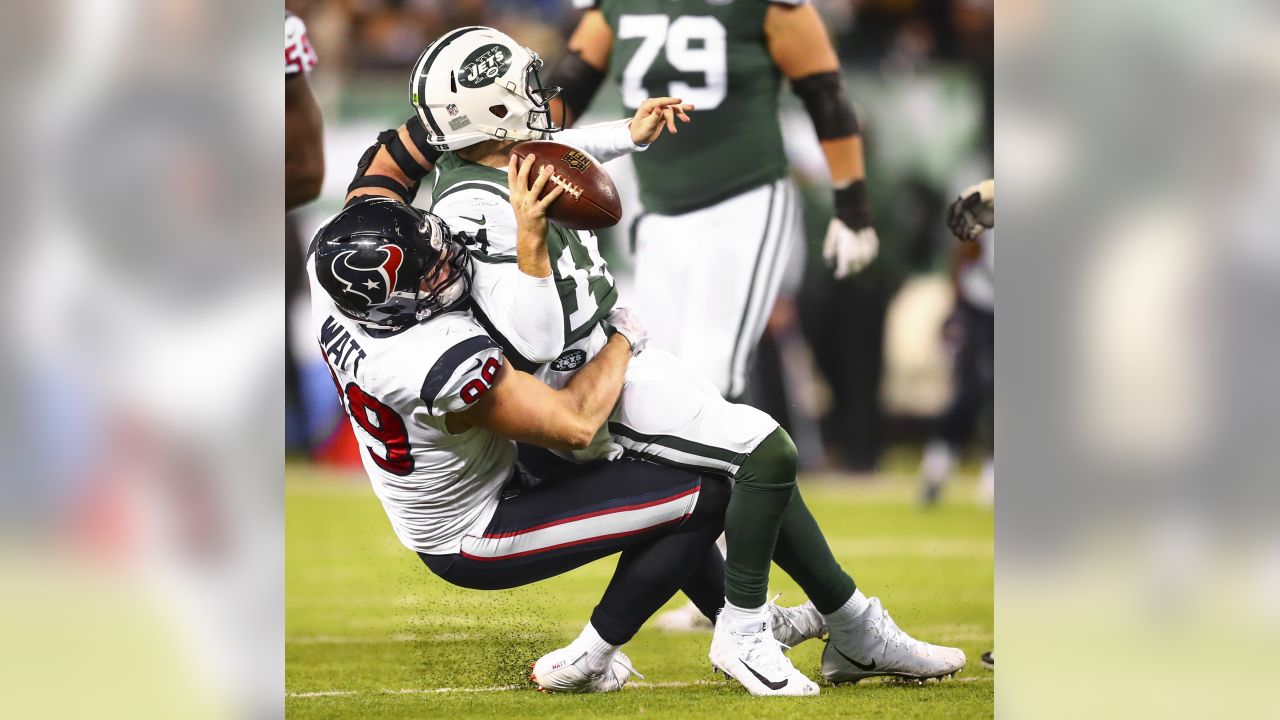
(974, 211)
(849, 251)
(628, 324)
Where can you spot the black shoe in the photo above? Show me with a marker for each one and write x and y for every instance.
(989, 660)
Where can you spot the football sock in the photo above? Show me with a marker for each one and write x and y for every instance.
(802, 552)
(599, 652)
(761, 492)
(743, 620)
(844, 619)
(937, 462)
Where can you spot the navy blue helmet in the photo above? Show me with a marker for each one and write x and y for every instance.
(388, 265)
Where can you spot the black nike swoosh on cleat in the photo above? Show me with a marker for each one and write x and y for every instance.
(473, 220)
(856, 664)
(771, 684)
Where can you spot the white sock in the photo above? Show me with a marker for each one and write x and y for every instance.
(599, 653)
(744, 620)
(845, 617)
(937, 463)
(987, 483)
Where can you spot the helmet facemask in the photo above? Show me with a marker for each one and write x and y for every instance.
(436, 298)
(540, 97)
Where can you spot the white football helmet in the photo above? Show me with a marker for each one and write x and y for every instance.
(475, 84)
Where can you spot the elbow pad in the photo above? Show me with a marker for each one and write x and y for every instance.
(828, 105)
(390, 139)
(578, 81)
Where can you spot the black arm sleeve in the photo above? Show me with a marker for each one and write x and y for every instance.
(578, 81)
(828, 105)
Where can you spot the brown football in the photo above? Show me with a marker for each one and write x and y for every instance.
(590, 200)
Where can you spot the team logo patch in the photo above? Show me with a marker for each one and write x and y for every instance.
(569, 360)
(484, 66)
(373, 284)
(579, 161)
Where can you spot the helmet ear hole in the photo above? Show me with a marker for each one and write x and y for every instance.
(499, 111)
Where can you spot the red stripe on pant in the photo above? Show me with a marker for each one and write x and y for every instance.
(597, 513)
(571, 543)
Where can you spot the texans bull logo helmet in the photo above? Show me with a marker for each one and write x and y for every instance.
(388, 265)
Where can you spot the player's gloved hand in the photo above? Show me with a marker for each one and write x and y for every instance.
(655, 114)
(629, 325)
(851, 243)
(974, 211)
(527, 200)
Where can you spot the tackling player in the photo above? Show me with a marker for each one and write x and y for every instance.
(437, 410)
(720, 212)
(478, 92)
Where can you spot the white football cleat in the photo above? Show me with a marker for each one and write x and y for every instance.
(687, 618)
(878, 647)
(565, 670)
(749, 654)
(793, 625)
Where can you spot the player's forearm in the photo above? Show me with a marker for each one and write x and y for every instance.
(844, 160)
(303, 145)
(604, 141)
(395, 164)
(593, 391)
(531, 252)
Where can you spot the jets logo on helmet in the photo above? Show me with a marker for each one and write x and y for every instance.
(484, 65)
(374, 284)
(476, 84)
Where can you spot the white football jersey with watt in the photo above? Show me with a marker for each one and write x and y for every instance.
(435, 486)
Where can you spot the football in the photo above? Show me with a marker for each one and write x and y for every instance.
(590, 200)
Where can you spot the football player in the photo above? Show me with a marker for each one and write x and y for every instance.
(970, 215)
(303, 125)
(437, 410)
(720, 213)
(667, 413)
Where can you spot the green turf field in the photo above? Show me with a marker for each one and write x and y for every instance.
(370, 633)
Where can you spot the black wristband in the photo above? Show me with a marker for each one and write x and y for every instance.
(852, 206)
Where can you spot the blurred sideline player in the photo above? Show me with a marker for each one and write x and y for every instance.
(720, 211)
(969, 217)
(303, 176)
(303, 125)
(478, 91)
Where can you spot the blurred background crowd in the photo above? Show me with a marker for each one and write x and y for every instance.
(862, 371)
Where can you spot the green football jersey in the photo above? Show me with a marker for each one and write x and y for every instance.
(711, 53)
(472, 199)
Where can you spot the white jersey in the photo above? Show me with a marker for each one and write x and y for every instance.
(435, 486)
(299, 56)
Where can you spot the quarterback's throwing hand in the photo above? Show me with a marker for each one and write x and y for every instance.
(528, 202)
(848, 251)
(655, 114)
(629, 325)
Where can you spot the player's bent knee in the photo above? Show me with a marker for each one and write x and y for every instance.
(773, 463)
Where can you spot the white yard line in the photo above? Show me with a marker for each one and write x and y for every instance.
(508, 688)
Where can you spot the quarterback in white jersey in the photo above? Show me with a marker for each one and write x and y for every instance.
(483, 87)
